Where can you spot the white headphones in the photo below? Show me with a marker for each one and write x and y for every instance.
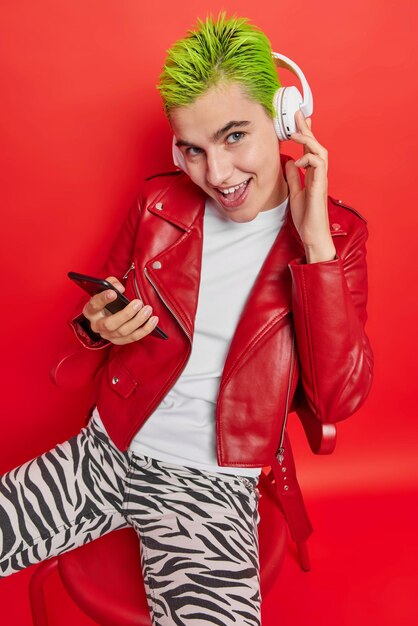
(286, 101)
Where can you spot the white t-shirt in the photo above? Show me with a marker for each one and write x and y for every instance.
(182, 428)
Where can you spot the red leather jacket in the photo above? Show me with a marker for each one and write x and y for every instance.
(300, 343)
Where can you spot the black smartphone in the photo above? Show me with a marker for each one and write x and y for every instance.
(97, 285)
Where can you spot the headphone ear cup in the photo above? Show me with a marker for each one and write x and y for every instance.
(178, 158)
(286, 101)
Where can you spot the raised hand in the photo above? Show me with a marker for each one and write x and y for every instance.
(309, 204)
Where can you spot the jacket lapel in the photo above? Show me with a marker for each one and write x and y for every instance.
(174, 270)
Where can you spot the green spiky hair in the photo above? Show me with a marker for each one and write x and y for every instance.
(221, 50)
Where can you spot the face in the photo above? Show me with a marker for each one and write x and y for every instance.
(231, 151)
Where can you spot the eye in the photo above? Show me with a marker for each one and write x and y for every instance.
(235, 137)
(193, 151)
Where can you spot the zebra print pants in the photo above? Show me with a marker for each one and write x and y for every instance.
(197, 530)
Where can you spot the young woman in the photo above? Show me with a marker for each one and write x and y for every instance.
(264, 308)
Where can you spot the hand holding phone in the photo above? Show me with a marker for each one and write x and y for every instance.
(129, 320)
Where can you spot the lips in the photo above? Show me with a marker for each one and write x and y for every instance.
(234, 195)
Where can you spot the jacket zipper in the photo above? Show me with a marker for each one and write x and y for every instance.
(180, 366)
(280, 452)
(165, 302)
(125, 276)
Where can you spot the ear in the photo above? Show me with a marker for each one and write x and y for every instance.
(178, 158)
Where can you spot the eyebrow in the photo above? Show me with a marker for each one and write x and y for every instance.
(218, 134)
(233, 124)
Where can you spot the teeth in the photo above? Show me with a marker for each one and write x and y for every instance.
(232, 189)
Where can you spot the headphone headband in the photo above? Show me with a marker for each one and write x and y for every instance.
(282, 61)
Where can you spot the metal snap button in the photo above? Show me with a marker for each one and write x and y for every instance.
(115, 380)
(159, 206)
(336, 226)
(286, 487)
(156, 265)
(284, 469)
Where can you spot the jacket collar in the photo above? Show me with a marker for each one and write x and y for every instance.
(182, 204)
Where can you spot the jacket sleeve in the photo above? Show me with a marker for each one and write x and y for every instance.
(83, 351)
(329, 308)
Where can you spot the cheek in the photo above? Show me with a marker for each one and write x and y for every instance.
(255, 161)
(269, 160)
(261, 156)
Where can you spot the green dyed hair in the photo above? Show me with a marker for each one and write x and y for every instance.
(216, 51)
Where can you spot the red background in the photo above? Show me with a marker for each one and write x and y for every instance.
(81, 124)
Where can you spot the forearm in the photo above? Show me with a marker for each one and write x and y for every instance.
(329, 308)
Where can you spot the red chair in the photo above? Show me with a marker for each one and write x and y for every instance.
(104, 579)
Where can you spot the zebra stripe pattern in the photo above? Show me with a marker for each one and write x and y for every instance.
(197, 530)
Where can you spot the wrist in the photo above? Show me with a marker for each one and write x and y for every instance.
(318, 254)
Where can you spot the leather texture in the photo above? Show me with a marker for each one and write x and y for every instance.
(323, 304)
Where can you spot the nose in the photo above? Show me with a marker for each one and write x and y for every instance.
(219, 167)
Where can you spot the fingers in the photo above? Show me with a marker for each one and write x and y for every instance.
(293, 178)
(303, 123)
(311, 146)
(311, 160)
(309, 124)
(108, 324)
(104, 321)
(138, 333)
(134, 310)
(137, 327)
(115, 282)
(130, 324)
(304, 127)
(96, 305)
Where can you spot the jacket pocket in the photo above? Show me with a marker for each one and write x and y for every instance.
(120, 379)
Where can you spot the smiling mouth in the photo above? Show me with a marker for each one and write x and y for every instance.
(234, 195)
(233, 189)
